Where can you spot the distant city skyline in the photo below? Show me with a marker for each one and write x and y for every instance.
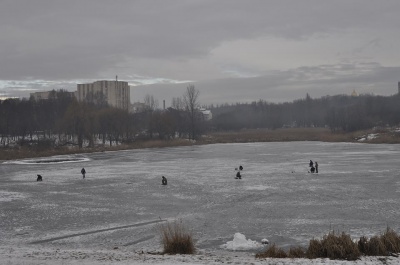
(231, 50)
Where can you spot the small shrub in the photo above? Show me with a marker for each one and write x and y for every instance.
(315, 249)
(272, 252)
(363, 245)
(380, 245)
(296, 252)
(375, 247)
(176, 239)
(391, 240)
(333, 247)
(340, 247)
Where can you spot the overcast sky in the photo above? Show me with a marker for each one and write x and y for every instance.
(232, 51)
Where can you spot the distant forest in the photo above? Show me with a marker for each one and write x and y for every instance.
(62, 120)
(339, 113)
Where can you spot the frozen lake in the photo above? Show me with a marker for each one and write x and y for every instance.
(118, 204)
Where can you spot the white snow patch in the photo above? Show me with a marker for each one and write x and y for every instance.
(240, 242)
(372, 136)
(369, 137)
(49, 160)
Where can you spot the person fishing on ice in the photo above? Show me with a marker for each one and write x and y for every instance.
(238, 174)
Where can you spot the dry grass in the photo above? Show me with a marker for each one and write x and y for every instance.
(333, 247)
(176, 239)
(280, 135)
(31, 152)
(340, 247)
(272, 252)
(391, 240)
(372, 246)
(297, 252)
(242, 136)
(387, 138)
(25, 152)
(301, 134)
(383, 245)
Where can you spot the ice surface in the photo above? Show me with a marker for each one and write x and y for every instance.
(356, 191)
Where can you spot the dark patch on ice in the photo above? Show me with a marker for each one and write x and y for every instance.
(22, 234)
(95, 231)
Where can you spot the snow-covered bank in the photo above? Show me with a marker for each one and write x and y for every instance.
(232, 252)
(16, 256)
(43, 256)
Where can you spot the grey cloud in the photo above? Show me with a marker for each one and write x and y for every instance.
(374, 43)
(81, 39)
(284, 86)
(56, 44)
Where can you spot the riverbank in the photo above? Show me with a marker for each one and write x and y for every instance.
(388, 136)
(51, 256)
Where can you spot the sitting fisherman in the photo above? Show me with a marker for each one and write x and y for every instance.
(238, 175)
(164, 180)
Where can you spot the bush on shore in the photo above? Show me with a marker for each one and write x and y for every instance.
(176, 239)
(242, 136)
(340, 247)
(32, 152)
(383, 245)
(333, 247)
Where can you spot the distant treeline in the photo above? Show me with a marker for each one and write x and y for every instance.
(62, 120)
(339, 113)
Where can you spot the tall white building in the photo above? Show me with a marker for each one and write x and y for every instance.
(116, 93)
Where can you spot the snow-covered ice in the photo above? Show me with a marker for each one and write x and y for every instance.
(240, 242)
(112, 215)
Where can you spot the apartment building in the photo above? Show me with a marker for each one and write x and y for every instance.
(44, 95)
(40, 95)
(116, 93)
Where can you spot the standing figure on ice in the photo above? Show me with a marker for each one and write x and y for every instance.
(83, 171)
(311, 163)
(316, 167)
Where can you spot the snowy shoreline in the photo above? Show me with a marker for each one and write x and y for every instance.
(120, 256)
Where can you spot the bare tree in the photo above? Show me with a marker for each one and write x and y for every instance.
(177, 103)
(150, 102)
(191, 104)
